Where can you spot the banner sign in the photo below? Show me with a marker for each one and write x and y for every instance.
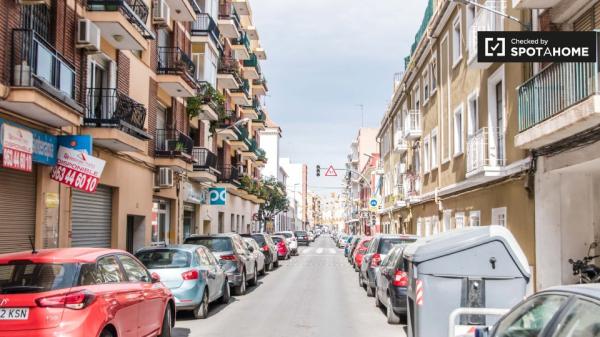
(17, 147)
(218, 196)
(536, 47)
(76, 142)
(77, 169)
(44, 145)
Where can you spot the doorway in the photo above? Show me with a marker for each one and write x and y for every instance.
(136, 234)
(188, 221)
(206, 227)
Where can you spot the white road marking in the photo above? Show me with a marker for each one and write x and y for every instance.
(319, 250)
(331, 251)
(307, 250)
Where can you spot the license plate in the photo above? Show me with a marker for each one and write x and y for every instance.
(19, 314)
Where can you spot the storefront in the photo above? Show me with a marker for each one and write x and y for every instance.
(193, 197)
(161, 221)
(91, 217)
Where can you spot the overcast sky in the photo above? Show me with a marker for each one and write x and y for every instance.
(325, 57)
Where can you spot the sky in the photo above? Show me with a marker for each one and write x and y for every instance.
(324, 59)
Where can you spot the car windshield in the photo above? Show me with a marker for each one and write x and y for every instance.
(277, 239)
(165, 258)
(25, 277)
(214, 244)
(260, 239)
(386, 244)
(287, 235)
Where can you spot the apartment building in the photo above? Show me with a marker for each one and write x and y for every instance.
(448, 155)
(297, 192)
(333, 211)
(139, 78)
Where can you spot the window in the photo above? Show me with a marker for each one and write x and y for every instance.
(471, 31)
(110, 270)
(456, 41)
(426, 166)
(419, 224)
(581, 320)
(433, 71)
(531, 317)
(473, 114)
(447, 219)
(496, 114)
(499, 216)
(26, 277)
(474, 218)
(134, 271)
(417, 98)
(458, 130)
(164, 258)
(425, 86)
(435, 224)
(459, 220)
(434, 148)
(428, 227)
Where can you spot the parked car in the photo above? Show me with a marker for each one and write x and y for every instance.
(312, 236)
(566, 311)
(283, 251)
(73, 291)
(302, 237)
(352, 247)
(291, 240)
(341, 240)
(360, 250)
(347, 245)
(268, 248)
(254, 249)
(379, 247)
(191, 272)
(391, 283)
(237, 262)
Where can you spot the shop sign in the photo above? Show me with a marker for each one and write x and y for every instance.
(44, 145)
(77, 169)
(17, 146)
(218, 196)
(81, 143)
(193, 195)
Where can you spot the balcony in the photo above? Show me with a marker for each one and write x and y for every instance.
(252, 111)
(241, 95)
(242, 7)
(251, 69)
(241, 47)
(175, 72)
(560, 101)
(207, 102)
(225, 134)
(204, 165)
(485, 153)
(229, 174)
(122, 22)
(204, 26)
(400, 144)
(183, 10)
(260, 53)
(485, 21)
(228, 75)
(259, 86)
(42, 82)
(115, 121)
(534, 4)
(412, 187)
(412, 125)
(229, 21)
(173, 148)
(250, 152)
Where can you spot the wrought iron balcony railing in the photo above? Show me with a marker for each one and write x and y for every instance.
(229, 174)
(206, 26)
(135, 11)
(204, 159)
(173, 60)
(227, 11)
(108, 108)
(173, 143)
(243, 40)
(230, 66)
(35, 63)
(243, 88)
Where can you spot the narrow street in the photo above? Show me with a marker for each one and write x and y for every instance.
(314, 294)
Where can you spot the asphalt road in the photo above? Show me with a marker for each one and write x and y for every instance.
(315, 294)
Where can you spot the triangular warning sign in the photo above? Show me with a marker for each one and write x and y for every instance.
(331, 172)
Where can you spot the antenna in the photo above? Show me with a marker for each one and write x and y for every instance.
(32, 243)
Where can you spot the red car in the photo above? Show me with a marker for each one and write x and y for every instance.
(283, 251)
(359, 252)
(81, 292)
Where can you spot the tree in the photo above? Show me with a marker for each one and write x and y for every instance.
(275, 196)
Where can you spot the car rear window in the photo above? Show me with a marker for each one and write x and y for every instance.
(300, 233)
(287, 235)
(260, 239)
(277, 239)
(385, 244)
(214, 244)
(26, 277)
(165, 258)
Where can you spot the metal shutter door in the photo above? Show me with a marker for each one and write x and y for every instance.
(92, 218)
(17, 209)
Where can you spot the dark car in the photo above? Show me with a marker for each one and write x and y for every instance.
(378, 250)
(352, 248)
(234, 258)
(302, 237)
(567, 311)
(268, 247)
(392, 281)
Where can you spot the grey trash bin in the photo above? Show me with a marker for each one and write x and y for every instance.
(478, 267)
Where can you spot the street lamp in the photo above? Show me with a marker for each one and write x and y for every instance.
(235, 125)
(495, 11)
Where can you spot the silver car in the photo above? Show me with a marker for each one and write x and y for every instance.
(254, 249)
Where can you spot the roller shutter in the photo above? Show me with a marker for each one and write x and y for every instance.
(17, 209)
(92, 218)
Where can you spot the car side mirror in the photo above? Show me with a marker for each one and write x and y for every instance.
(482, 332)
(155, 278)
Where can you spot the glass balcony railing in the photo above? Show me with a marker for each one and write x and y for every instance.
(108, 108)
(553, 90)
(135, 11)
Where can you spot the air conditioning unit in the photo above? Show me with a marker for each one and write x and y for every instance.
(161, 13)
(34, 2)
(88, 35)
(164, 177)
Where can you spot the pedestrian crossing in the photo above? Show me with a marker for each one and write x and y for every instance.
(318, 251)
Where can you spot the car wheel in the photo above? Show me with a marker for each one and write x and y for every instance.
(360, 282)
(254, 280)
(377, 301)
(269, 266)
(276, 265)
(370, 292)
(392, 317)
(241, 289)
(263, 270)
(167, 324)
(107, 333)
(201, 311)
(226, 297)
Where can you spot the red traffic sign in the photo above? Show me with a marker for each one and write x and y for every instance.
(331, 172)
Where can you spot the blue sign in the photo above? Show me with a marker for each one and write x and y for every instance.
(218, 196)
(44, 145)
(76, 142)
(373, 202)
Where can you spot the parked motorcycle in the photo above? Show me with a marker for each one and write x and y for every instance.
(587, 272)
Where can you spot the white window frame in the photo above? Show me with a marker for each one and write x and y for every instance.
(434, 82)
(493, 80)
(417, 104)
(447, 220)
(426, 150)
(457, 42)
(434, 149)
(435, 225)
(474, 215)
(471, 18)
(461, 223)
(496, 213)
(426, 88)
(419, 224)
(472, 114)
(428, 230)
(458, 130)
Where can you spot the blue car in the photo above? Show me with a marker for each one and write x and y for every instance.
(347, 245)
(191, 272)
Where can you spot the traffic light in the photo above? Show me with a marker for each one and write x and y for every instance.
(318, 170)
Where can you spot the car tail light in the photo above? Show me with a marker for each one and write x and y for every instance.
(375, 260)
(265, 248)
(190, 275)
(229, 257)
(76, 300)
(400, 279)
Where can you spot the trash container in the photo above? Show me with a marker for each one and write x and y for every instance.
(478, 267)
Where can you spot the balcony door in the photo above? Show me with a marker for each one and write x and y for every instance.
(101, 83)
